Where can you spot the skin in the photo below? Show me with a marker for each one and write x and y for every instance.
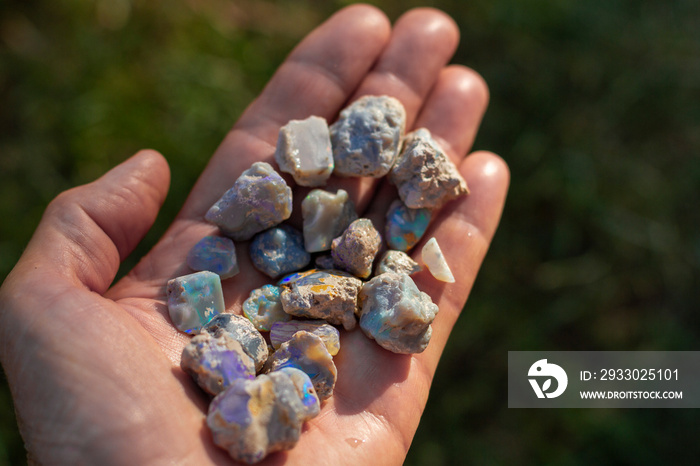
(94, 366)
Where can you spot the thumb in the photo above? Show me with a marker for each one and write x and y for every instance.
(87, 231)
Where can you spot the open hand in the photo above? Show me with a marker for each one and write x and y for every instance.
(94, 367)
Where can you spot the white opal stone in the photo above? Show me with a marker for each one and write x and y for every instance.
(304, 151)
(435, 261)
(326, 216)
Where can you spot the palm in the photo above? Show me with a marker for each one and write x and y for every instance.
(120, 374)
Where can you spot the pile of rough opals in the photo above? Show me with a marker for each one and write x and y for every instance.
(264, 392)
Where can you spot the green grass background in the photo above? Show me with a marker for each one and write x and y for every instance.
(595, 105)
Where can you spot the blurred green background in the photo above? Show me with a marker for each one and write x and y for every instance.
(595, 105)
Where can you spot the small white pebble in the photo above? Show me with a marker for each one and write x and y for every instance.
(435, 261)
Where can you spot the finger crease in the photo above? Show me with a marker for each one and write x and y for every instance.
(334, 79)
(414, 93)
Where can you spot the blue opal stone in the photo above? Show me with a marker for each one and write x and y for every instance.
(278, 251)
(405, 226)
(215, 254)
(214, 363)
(395, 313)
(194, 300)
(263, 308)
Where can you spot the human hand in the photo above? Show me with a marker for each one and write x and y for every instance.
(94, 368)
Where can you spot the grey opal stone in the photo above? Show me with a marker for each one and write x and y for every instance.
(304, 151)
(326, 216)
(367, 136)
(424, 175)
(307, 352)
(258, 200)
(397, 262)
(395, 313)
(244, 332)
(214, 363)
(330, 295)
(356, 249)
(253, 418)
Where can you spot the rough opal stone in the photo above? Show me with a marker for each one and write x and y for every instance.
(214, 363)
(397, 262)
(356, 249)
(304, 151)
(278, 251)
(404, 226)
(194, 299)
(284, 331)
(215, 254)
(434, 259)
(367, 136)
(244, 332)
(258, 200)
(424, 175)
(263, 308)
(395, 313)
(307, 352)
(326, 216)
(330, 295)
(253, 418)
